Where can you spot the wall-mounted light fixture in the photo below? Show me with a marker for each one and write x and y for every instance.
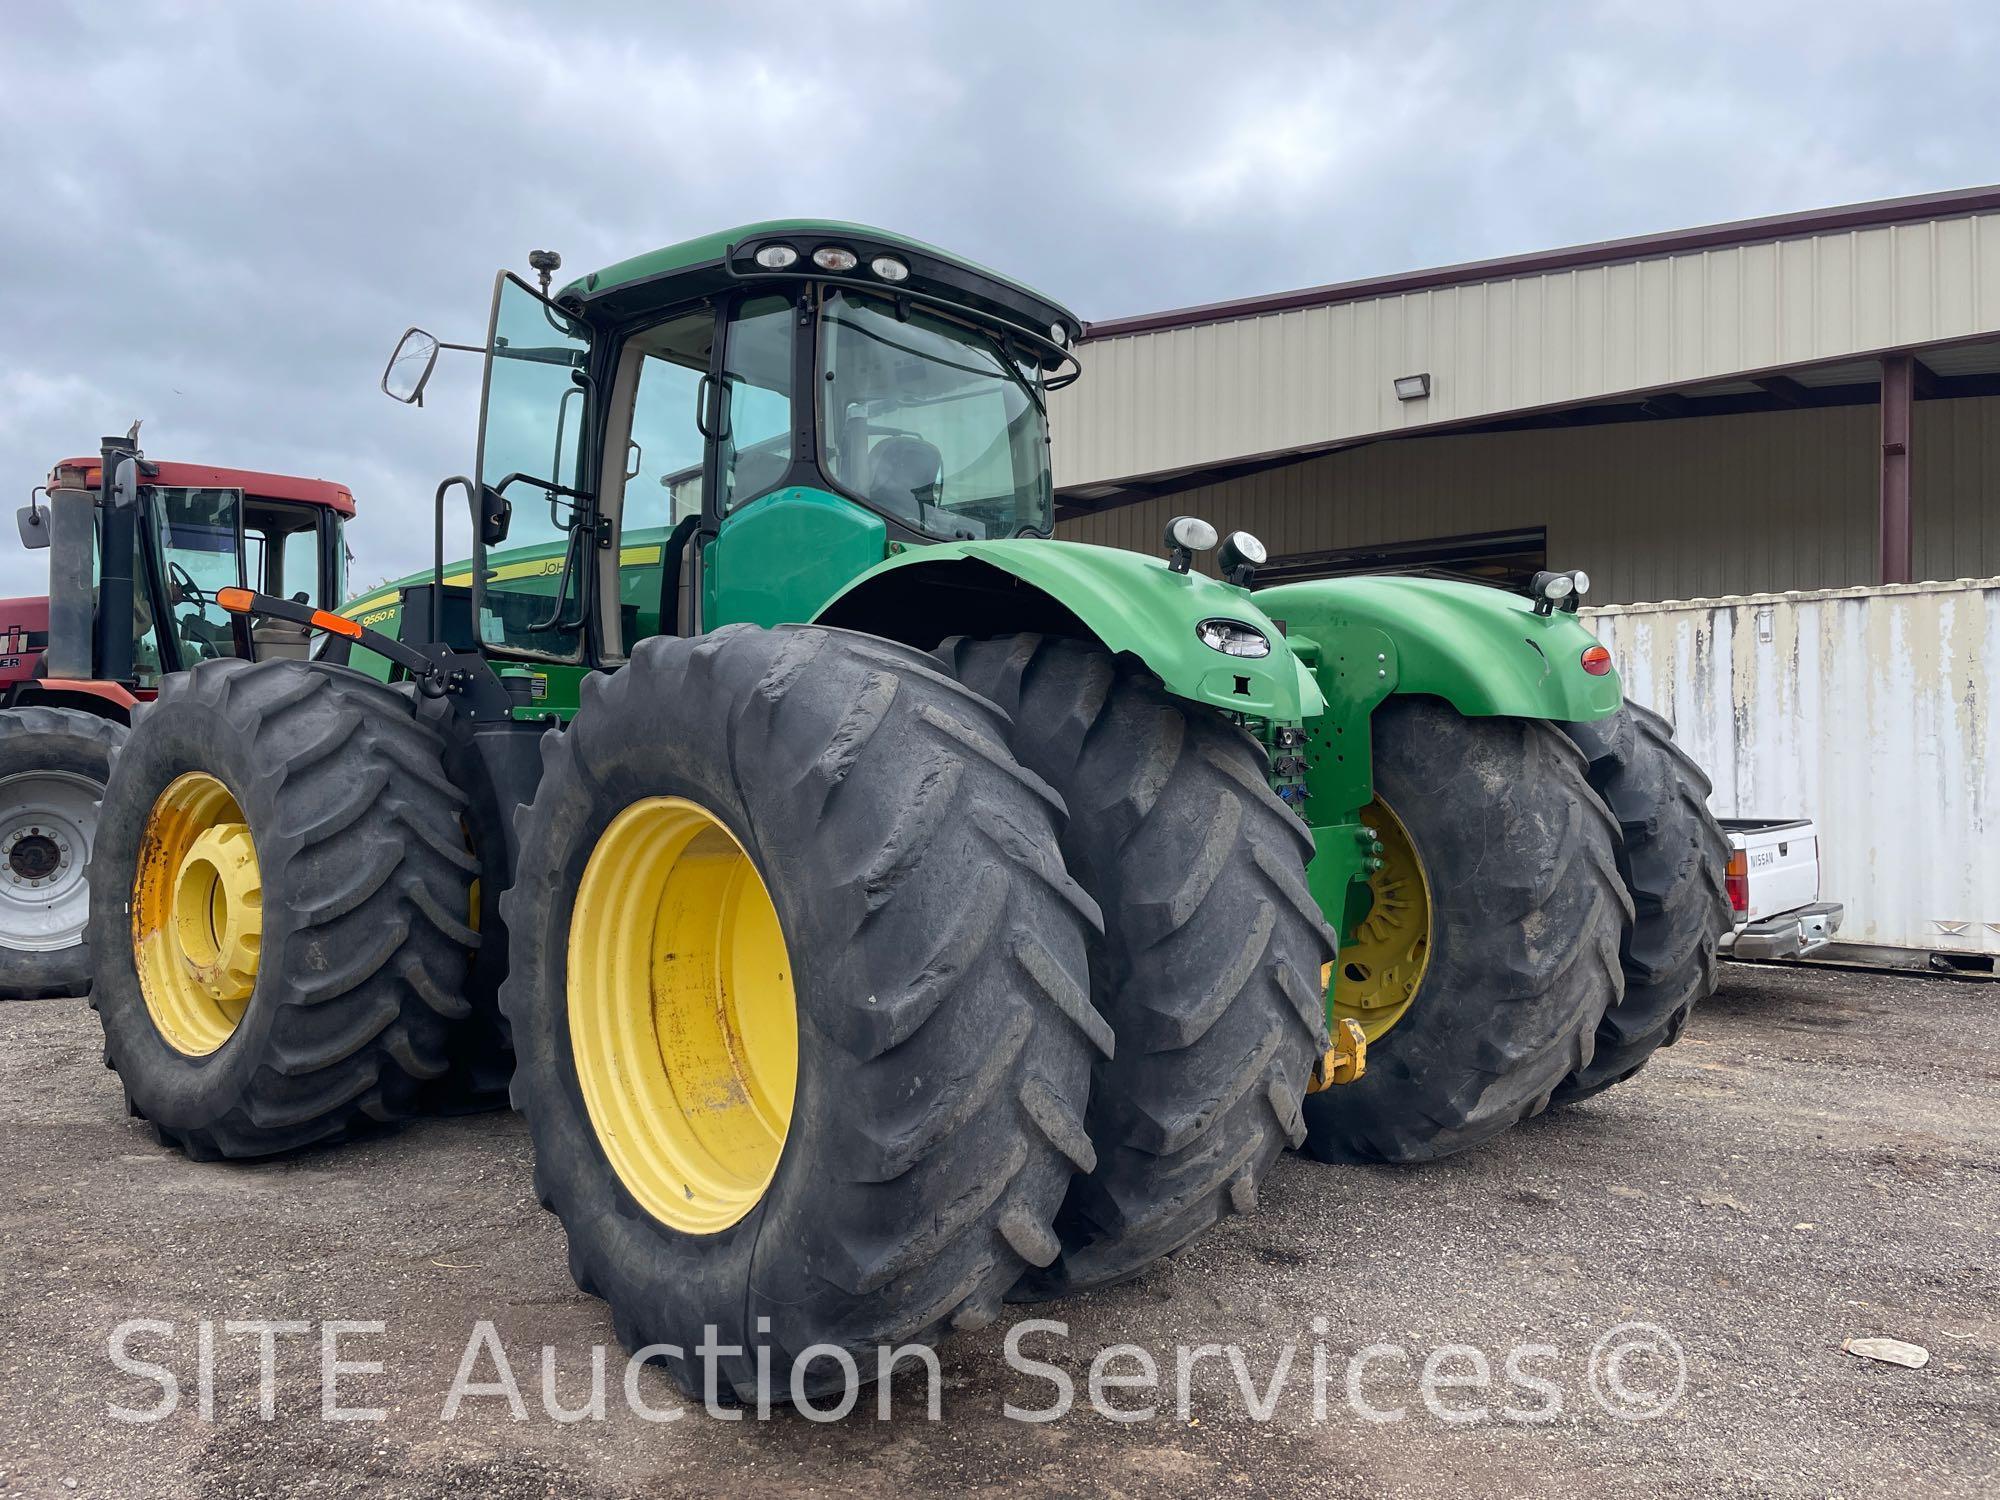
(1412, 387)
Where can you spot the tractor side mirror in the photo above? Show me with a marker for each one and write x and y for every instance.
(124, 486)
(409, 368)
(494, 513)
(34, 524)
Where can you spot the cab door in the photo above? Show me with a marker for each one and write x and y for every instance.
(196, 549)
(782, 543)
(530, 592)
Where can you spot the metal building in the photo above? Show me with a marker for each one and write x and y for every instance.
(1801, 402)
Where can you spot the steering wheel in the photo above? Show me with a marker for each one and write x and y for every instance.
(186, 590)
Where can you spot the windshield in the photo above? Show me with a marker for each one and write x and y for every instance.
(929, 421)
(196, 533)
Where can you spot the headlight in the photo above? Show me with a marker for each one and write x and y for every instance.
(1582, 581)
(1190, 532)
(1233, 638)
(835, 258)
(776, 257)
(889, 268)
(1558, 586)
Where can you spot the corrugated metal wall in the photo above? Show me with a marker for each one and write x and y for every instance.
(1688, 508)
(1177, 399)
(1871, 710)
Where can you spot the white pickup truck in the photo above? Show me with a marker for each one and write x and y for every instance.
(1773, 882)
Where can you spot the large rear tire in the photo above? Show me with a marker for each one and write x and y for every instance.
(1674, 858)
(53, 766)
(278, 908)
(1492, 958)
(1209, 964)
(799, 1002)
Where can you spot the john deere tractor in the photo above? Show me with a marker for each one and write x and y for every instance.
(888, 909)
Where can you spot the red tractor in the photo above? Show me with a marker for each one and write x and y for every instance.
(134, 567)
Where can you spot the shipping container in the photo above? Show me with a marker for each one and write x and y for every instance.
(1870, 710)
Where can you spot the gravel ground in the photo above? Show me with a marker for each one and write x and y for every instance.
(1816, 1161)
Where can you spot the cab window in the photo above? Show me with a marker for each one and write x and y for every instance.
(281, 550)
(756, 442)
(197, 532)
(663, 462)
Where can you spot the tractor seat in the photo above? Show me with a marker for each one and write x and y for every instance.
(903, 474)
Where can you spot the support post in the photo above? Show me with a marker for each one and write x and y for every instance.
(1898, 394)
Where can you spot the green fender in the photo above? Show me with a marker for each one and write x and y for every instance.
(1129, 602)
(1485, 652)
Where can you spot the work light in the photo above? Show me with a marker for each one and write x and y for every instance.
(1187, 535)
(776, 257)
(835, 258)
(1241, 556)
(1550, 590)
(889, 268)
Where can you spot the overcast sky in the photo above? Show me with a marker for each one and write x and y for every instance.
(219, 218)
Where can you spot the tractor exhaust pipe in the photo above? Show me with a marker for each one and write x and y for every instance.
(119, 494)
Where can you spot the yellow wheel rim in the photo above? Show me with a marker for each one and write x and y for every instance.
(197, 914)
(1379, 972)
(682, 1020)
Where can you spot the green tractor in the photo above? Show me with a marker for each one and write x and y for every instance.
(883, 908)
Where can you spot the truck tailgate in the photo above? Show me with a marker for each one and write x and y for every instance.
(1779, 864)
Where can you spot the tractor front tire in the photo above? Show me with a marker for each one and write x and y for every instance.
(799, 1004)
(1209, 964)
(53, 766)
(1510, 911)
(1674, 858)
(278, 908)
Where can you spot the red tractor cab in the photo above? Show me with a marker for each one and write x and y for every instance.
(134, 569)
(184, 531)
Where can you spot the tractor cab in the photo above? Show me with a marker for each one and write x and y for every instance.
(734, 429)
(135, 571)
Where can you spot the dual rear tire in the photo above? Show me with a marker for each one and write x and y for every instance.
(1673, 857)
(1208, 964)
(1509, 862)
(1546, 918)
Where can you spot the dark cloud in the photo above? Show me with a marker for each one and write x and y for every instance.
(219, 217)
